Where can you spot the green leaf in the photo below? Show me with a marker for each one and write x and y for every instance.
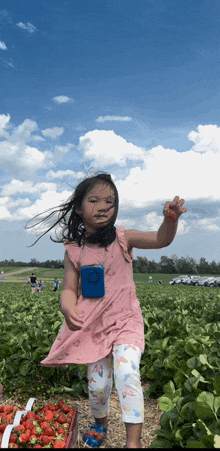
(192, 362)
(203, 360)
(166, 404)
(195, 445)
(216, 404)
(204, 405)
(169, 389)
(217, 384)
(217, 441)
(24, 367)
(161, 443)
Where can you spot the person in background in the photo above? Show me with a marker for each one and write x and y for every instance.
(55, 284)
(41, 285)
(33, 282)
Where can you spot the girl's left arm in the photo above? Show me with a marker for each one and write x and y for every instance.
(166, 233)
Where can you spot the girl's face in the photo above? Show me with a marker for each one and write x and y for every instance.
(99, 201)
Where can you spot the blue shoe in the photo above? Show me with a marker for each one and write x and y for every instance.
(95, 435)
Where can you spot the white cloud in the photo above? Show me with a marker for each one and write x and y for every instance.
(107, 148)
(164, 174)
(113, 118)
(207, 139)
(8, 201)
(62, 99)
(208, 224)
(2, 46)
(5, 215)
(62, 174)
(53, 132)
(37, 138)
(29, 27)
(46, 200)
(16, 157)
(17, 186)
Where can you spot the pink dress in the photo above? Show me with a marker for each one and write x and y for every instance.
(113, 319)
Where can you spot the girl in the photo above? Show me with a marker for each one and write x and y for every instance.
(107, 332)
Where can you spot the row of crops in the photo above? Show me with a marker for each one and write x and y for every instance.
(181, 358)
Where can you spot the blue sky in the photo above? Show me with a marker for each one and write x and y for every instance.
(127, 87)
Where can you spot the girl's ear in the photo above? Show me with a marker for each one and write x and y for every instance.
(79, 212)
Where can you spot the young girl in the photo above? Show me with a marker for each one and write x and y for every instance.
(107, 332)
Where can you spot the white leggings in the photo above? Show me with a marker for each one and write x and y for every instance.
(127, 381)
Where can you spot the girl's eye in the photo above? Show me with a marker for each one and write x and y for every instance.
(108, 202)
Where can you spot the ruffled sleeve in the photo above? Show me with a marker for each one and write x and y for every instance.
(122, 242)
(73, 251)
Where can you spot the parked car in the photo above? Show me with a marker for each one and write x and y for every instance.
(217, 282)
(210, 282)
(178, 280)
(202, 281)
(194, 280)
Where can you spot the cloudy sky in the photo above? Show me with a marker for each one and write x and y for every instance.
(127, 87)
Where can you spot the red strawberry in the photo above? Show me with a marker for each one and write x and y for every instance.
(59, 444)
(44, 425)
(23, 439)
(61, 418)
(20, 428)
(52, 407)
(67, 409)
(60, 404)
(171, 216)
(49, 416)
(7, 409)
(13, 445)
(60, 430)
(13, 438)
(3, 426)
(45, 440)
(30, 416)
(37, 446)
(28, 424)
(49, 431)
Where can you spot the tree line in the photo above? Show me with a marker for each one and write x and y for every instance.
(166, 265)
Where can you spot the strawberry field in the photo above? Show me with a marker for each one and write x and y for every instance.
(181, 359)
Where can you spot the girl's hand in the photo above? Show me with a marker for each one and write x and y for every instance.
(175, 206)
(72, 318)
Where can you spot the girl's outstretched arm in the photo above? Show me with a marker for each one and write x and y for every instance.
(166, 233)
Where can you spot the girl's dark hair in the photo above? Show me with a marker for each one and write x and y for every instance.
(71, 222)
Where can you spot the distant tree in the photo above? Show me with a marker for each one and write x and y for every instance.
(203, 266)
(214, 267)
(167, 265)
(153, 267)
(186, 265)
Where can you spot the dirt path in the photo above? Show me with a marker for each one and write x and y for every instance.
(19, 272)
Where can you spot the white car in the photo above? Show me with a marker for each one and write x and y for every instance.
(202, 281)
(210, 282)
(217, 282)
(178, 280)
(194, 280)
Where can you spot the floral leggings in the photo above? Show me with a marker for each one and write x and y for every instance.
(127, 381)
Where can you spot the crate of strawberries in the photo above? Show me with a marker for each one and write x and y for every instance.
(50, 426)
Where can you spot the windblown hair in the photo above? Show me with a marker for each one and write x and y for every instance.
(71, 223)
